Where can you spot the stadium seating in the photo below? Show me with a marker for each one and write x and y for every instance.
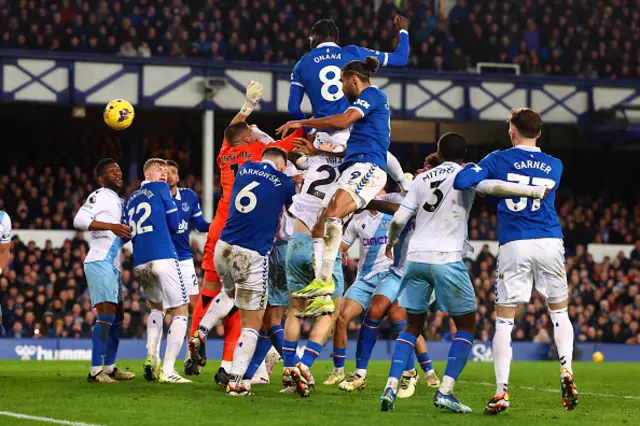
(553, 37)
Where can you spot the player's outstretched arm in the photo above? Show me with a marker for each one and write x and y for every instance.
(254, 96)
(296, 94)
(503, 189)
(397, 58)
(5, 244)
(333, 122)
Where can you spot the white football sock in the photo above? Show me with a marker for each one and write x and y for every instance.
(332, 239)
(563, 336)
(447, 385)
(318, 247)
(392, 383)
(218, 309)
(175, 339)
(95, 370)
(109, 368)
(187, 354)
(155, 322)
(243, 352)
(502, 353)
(225, 365)
(262, 371)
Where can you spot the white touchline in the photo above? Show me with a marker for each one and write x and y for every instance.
(44, 419)
(603, 395)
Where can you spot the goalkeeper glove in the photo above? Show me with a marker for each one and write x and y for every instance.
(254, 95)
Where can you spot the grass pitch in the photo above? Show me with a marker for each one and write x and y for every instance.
(610, 395)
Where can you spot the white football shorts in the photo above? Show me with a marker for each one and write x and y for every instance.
(188, 270)
(524, 264)
(163, 282)
(245, 270)
(363, 181)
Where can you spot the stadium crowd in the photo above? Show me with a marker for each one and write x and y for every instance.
(586, 38)
(45, 295)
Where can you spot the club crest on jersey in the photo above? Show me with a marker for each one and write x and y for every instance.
(385, 224)
(185, 207)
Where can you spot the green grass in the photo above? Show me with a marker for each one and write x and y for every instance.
(59, 390)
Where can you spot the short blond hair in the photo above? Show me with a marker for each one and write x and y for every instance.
(153, 162)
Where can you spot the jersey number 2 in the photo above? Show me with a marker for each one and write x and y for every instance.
(326, 181)
(245, 193)
(137, 228)
(526, 180)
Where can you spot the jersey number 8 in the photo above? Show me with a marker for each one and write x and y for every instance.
(525, 180)
(136, 227)
(330, 82)
(245, 193)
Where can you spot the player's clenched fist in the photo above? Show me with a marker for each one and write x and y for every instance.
(401, 23)
(121, 230)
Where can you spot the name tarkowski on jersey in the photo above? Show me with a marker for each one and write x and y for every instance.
(261, 173)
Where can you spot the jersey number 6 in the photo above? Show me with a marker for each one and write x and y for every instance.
(246, 193)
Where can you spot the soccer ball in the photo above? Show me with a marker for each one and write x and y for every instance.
(118, 114)
(597, 357)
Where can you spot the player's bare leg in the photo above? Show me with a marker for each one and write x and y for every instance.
(190, 367)
(340, 206)
(300, 374)
(563, 338)
(502, 354)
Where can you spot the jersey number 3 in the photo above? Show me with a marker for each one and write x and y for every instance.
(439, 197)
(526, 180)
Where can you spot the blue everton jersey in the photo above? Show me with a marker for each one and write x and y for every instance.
(190, 217)
(148, 212)
(371, 135)
(318, 72)
(259, 193)
(520, 218)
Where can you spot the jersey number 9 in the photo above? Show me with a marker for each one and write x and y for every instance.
(137, 228)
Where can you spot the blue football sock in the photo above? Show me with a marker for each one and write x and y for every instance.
(397, 328)
(404, 346)
(289, 354)
(114, 341)
(366, 341)
(458, 354)
(276, 336)
(99, 338)
(262, 348)
(311, 353)
(339, 357)
(425, 362)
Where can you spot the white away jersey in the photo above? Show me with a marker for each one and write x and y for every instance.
(372, 231)
(442, 215)
(102, 205)
(320, 174)
(400, 251)
(285, 223)
(5, 228)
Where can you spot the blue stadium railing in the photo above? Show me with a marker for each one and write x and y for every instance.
(90, 79)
